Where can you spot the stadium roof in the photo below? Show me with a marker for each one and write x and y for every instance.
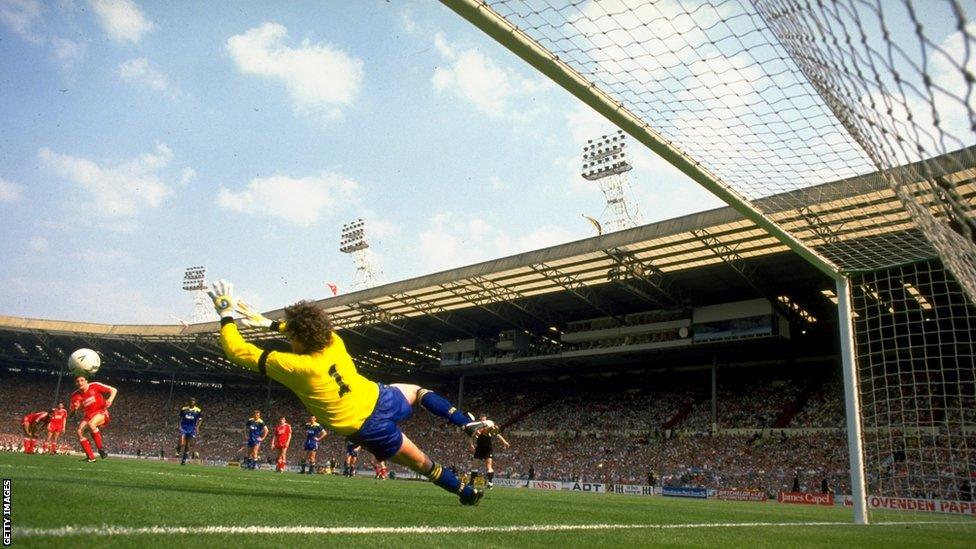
(705, 258)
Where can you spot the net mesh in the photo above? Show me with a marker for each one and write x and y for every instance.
(851, 125)
(916, 347)
(902, 105)
(778, 97)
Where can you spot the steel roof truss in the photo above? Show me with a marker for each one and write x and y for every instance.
(586, 294)
(628, 265)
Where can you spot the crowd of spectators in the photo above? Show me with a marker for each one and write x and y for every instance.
(601, 405)
(597, 455)
(145, 415)
(824, 407)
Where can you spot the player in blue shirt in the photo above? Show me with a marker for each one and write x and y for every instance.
(352, 456)
(190, 418)
(314, 433)
(254, 432)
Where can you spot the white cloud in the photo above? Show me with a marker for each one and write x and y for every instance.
(909, 111)
(378, 229)
(301, 201)
(317, 76)
(10, 191)
(476, 78)
(139, 71)
(456, 240)
(38, 244)
(68, 51)
(120, 191)
(585, 123)
(447, 244)
(187, 175)
(121, 19)
(947, 74)
(407, 22)
(640, 39)
(20, 16)
(445, 49)
(23, 16)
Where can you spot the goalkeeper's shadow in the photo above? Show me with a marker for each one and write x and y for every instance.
(271, 492)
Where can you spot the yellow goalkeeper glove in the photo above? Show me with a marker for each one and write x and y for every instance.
(222, 295)
(252, 319)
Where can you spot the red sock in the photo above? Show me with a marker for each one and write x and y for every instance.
(97, 437)
(26, 445)
(281, 464)
(86, 446)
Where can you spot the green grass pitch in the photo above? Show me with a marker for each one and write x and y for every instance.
(150, 502)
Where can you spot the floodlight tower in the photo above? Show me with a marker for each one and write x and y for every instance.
(195, 280)
(605, 161)
(353, 241)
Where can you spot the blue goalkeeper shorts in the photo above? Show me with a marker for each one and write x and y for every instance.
(379, 433)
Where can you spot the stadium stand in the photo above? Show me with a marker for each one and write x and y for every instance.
(597, 357)
(595, 429)
(599, 430)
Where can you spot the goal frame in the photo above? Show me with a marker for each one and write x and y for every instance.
(482, 16)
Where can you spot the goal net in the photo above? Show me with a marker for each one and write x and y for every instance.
(916, 339)
(845, 128)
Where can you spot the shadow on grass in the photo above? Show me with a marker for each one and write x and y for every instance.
(214, 491)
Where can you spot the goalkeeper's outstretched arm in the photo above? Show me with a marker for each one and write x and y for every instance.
(280, 366)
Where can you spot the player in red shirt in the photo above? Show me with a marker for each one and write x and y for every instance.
(89, 398)
(281, 441)
(55, 428)
(381, 469)
(31, 424)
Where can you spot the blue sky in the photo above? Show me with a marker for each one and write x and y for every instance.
(140, 138)
(143, 138)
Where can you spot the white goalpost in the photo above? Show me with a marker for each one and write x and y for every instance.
(855, 448)
(846, 129)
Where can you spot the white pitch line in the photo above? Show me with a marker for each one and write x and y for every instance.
(283, 478)
(288, 479)
(111, 531)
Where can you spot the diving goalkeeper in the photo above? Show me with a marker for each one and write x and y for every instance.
(321, 373)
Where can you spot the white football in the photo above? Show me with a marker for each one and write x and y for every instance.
(84, 362)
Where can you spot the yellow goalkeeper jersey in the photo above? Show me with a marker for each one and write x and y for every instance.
(326, 382)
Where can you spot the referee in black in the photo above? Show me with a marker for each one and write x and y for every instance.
(481, 444)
